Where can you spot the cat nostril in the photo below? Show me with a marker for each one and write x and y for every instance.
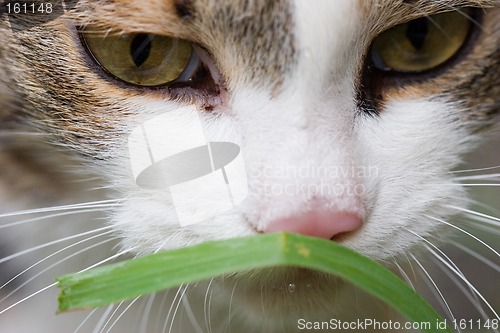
(322, 224)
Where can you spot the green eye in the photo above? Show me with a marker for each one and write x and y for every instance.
(421, 44)
(142, 59)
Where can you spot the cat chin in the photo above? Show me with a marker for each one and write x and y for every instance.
(269, 293)
(275, 299)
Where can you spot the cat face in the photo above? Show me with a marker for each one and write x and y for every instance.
(327, 122)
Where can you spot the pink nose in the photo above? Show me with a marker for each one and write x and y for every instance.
(322, 224)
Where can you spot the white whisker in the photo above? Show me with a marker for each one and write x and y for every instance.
(262, 303)
(466, 282)
(492, 176)
(470, 185)
(405, 276)
(470, 294)
(143, 326)
(100, 323)
(443, 255)
(160, 311)
(479, 257)
(230, 308)
(177, 294)
(27, 298)
(410, 263)
(465, 210)
(481, 226)
(54, 284)
(436, 288)
(177, 306)
(85, 320)
(119, 254)
(121, 315)
(95, 204)
(53, 254)
(477, 170)
(206, 307)
(191, 316)
(110, 317)
(437, 249)
(39, 247)
(466, 233)
(49, 217)
(52, 266)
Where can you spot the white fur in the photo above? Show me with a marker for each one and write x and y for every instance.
(313, 124)
(390, 168)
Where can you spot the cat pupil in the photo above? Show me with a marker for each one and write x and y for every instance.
(140, 48)
(417, 32)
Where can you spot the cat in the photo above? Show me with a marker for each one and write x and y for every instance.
(350, 117)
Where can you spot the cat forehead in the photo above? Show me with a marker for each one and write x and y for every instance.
(196, 18)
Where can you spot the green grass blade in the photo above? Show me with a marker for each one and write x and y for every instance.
(132, 278)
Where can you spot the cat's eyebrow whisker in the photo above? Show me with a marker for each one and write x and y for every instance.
(472, 212)
(466, 282)
(461, 12)
(54, 254)
(466, 233)
(95, 204)
(54, 265)
(39, 247)
(476, 255)
(436, 288)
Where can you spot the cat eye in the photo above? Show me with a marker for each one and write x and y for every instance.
(422, 44)
(143, 59)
